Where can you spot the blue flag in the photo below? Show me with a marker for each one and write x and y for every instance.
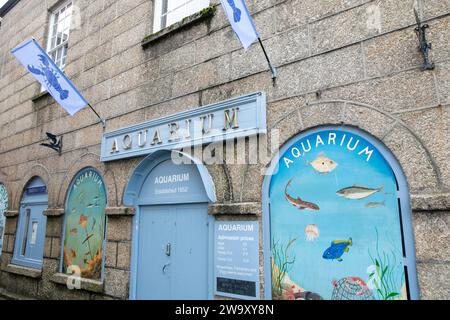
(42, 67)
(241, 21)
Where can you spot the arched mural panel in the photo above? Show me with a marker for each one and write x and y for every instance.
(85, 221)
(336, 221)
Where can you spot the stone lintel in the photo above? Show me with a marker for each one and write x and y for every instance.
(120, 211)
(245, 208)
(54, 212)
(11, 213)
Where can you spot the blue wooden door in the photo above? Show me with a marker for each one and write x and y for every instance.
(157, 228)
(35, 236)
(190, 252)
(173, 252)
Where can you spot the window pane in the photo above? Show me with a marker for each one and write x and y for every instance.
(25, 234)
(59, 34)
(176, 11)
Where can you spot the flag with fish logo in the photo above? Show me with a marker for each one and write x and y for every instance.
(241, 21)
(41, 66)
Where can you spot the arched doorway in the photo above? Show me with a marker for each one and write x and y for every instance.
(172, 231)
(337, 220)
(30, 235)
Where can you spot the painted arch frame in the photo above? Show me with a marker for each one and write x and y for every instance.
(403, 194)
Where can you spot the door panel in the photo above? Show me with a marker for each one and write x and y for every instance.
(157, 229)
(190, 261)
(180, 270)
(34, 245)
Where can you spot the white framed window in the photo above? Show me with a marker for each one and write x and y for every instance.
(58, 37)
(168, 12)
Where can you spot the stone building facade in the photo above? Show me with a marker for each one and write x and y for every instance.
(351, 63)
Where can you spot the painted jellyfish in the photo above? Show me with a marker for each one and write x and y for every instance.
(311, 232)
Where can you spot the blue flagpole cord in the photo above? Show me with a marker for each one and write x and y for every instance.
(103, 121)
(272, 68)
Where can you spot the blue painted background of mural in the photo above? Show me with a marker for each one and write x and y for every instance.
(345, 231)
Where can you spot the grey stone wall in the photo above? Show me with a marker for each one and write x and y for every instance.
(339, 61)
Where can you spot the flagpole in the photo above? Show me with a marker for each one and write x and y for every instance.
(272, 68)
(101, 119)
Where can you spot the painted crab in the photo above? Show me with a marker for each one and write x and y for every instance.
(236, 11)
(50, 76)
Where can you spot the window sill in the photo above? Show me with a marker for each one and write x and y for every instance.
(86, 284)
(202, 15)
(23, 271)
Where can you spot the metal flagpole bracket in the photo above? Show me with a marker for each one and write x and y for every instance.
(103, 121)
(424, 46)
(272, 68)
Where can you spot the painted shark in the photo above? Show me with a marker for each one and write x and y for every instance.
(299, 203)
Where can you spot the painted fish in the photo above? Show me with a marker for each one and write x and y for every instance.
(74, 231)
(357, 192)
(73, 253)
(323, 165)
(372, 205)
(83, 221)
(299, 203)
(337, 249)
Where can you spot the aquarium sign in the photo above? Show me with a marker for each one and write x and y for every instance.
(36, 190)
(236, 259)
(236, 118)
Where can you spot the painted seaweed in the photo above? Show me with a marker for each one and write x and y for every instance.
(281, 265)
(383, 276)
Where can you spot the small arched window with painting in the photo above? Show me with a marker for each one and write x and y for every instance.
(338, 217)
(84, 227)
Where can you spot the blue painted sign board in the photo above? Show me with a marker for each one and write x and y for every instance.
(235, 118)
(236, 259)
